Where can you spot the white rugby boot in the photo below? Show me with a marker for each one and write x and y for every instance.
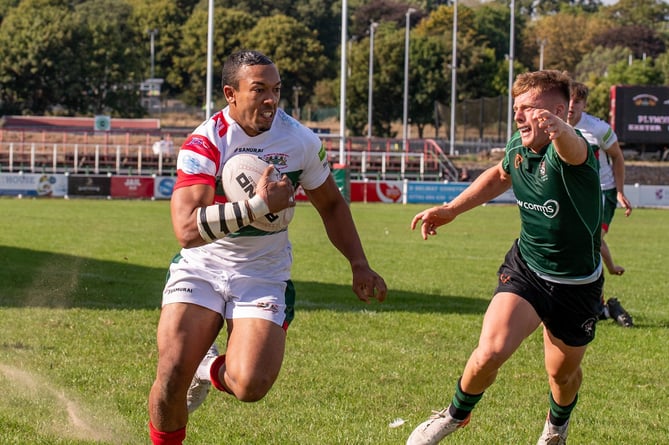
(438, 426)
(201, 383)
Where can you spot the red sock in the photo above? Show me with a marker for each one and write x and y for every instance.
(214, 371)
(163, 438)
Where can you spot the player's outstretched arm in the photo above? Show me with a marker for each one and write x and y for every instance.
(490, 184)
(341, 231)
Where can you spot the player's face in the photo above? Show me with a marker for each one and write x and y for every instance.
(524, 107)
(576, 107)
(254, 104)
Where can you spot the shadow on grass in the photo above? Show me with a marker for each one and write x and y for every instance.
(32, 278)
(324, 296)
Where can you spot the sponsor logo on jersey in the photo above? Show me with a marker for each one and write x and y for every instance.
(248, 150)
(191, 164)
(517, 161)
(280, 160)
(195, 142)
(549, 209)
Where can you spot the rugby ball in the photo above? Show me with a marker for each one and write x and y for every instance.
(239, 178)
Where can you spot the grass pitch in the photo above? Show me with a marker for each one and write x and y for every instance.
(81, 285)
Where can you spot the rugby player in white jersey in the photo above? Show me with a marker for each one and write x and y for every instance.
(604, 141)
(229, 273)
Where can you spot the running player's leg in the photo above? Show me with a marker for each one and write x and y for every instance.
(253, 357)
(185, 332)
(258, 312)
(507, 322)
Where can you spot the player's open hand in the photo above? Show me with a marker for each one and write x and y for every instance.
(278, 194)
(431, 219)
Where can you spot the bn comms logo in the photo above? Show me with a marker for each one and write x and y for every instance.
(550, 208)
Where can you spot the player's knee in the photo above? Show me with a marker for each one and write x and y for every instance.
(172, 382)
(252, 389)
(489, 358)
(562, 378)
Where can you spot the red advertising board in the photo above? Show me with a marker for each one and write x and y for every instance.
(132, 187)
(376, 191)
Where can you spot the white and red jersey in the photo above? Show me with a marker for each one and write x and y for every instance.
(601, 137)
(294, 150)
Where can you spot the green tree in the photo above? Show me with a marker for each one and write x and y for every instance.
(662, 64)
(113, 60)
(39, 70)
(491, 22)
(165, 19)
(5, 6)
(189, 72)
(641, 40)
(388, 81)
(649, 13)
(639, 72)
(428, 81)
(294, 48)
(596, 63)
(567, 39)
(476, 60)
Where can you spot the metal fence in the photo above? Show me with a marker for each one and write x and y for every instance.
(425, 159)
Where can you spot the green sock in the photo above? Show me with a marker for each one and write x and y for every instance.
(462, 403)
(558, 415)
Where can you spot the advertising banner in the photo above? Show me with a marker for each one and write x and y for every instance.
(433, 192)
(163, 186)
(640, 114)
(376, 191)
(647, 195)
(81, 185)
(132, 187)
(15, 184)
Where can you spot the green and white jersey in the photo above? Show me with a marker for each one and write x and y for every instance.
(560, 212)
(601, 137)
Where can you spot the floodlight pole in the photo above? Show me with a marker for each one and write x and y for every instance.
(512, 27)
(152, 33)
(210, 58)
(542, 46)
(372, 27)
(342, 89)
(454, 65)
(405, 114)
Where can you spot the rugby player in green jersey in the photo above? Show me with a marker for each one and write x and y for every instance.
(552, 275)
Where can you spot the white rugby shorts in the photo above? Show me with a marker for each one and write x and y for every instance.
(230, 294)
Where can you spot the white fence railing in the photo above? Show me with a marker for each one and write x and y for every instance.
(32, 157)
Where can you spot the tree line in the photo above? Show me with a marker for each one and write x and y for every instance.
(85, 57)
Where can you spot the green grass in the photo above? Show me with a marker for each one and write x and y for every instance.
(81, 285)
